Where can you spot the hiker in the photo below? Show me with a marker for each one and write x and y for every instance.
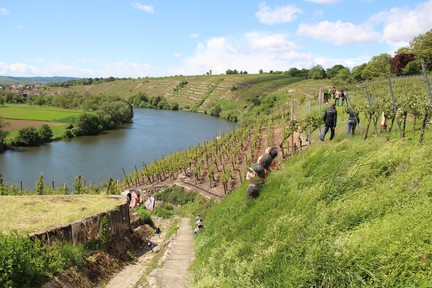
(252, 192)
(353, 119)
(255, 174)
(150, 245)
(134, 198)
(158, 231)
(337, 97)
(199, 226)
(199, 222)
(266, 160)
(345, 96)
(383, 122)
(330, 120)
(196, 231)
(333, 92)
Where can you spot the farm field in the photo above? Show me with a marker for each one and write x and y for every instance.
(20, 116)
(32, 112)
(38, 213)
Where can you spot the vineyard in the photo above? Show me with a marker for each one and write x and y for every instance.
(217, 167)
(405, 101)
(291, 114)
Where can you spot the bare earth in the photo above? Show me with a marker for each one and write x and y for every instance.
(21, 124)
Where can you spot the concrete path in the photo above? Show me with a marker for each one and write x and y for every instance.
(176, 261)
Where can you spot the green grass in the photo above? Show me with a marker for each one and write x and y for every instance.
(32, 112)
(348, 213)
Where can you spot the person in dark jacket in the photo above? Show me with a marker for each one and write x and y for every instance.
(330, 120)
(353, 119)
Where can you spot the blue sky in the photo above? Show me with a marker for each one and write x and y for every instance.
(123, 38)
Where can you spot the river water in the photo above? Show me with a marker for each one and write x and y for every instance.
(152, 135)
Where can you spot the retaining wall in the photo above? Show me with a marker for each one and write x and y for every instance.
(116, 221)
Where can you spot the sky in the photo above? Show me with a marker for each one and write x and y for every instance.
(158, 38)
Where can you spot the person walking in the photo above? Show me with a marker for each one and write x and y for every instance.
(330, 120)
(353, 119)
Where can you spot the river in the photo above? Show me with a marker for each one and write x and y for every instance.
(152, 135)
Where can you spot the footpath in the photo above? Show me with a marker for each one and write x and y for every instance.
(178, 255)
(176, 260)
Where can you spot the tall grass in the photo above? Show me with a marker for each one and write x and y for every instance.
(345, 214)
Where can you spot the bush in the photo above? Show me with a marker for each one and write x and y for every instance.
(165, 211)
(145, 216)
(25, 262)
(176, 195)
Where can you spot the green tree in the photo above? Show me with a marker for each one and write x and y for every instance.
(422, 48)
(3, 135)
(317, 72)
(357, 72)
(378, 67)
(332, 72)
(114, 114)
(87, 124)
(28, 137)
(342, 78)
(45, 133)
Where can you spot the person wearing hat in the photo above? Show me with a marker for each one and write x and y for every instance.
(330, 120)
(353, 119)
(266, 160)
(255, 174)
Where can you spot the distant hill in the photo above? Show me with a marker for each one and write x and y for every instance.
(12, 80)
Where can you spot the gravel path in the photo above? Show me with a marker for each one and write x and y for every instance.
(176, 261)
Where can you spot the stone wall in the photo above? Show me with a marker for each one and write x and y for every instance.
(114, 222)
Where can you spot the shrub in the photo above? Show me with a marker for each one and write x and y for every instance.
(145, 216)
(176, 195)
(25, 262)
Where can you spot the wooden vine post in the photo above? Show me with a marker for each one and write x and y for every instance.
(394, 110)
(430, 99)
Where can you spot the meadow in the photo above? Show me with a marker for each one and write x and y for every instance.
(27, 214)
(19, 116)
(346, 213)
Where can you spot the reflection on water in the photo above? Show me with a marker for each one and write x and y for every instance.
(153, 134)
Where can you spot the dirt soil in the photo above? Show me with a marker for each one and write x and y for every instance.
(21, 124)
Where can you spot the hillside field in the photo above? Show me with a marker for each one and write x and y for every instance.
(19, 116)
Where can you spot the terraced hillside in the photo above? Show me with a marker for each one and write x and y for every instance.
(195, 93)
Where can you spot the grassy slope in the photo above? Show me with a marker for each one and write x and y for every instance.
(347, 213)
(200, 93)
(46, 212)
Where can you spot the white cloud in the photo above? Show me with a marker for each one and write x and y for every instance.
(282, 14)
(269, 42)
(127, 69)
(145, 8)
(193, 35)
(247, 53)
(323, 1)
(18, 69)
(340, 33)
(403, 24)
(4, 11)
